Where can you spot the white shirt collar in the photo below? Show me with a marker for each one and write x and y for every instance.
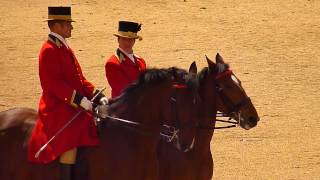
(60, 38)
(130, 56)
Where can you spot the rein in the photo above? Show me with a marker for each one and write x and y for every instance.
(123, 120)
(170, 133)
(234, 123)
(230, 121)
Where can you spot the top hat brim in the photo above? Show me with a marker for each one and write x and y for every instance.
(130, 35)
(60, 18)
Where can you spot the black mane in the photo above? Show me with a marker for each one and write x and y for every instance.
(147, 78)
(181, 76)
(203, 74)
(152, 77)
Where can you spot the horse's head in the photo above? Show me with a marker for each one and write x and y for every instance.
(181, 109)
(231, 97)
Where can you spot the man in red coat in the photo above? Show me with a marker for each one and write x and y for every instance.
(65, 92)
(124, 67)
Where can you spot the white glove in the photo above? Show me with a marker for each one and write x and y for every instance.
(102, 111)
(104, 101)
(86, 104)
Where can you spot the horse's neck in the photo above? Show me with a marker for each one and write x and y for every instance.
(203, 140)
(208, 108)
(206, 124)
(139, 121)
(144, 109)
(137, 109)
(128, 138)
(204, 135)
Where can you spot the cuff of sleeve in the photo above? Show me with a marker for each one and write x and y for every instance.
(75, 99)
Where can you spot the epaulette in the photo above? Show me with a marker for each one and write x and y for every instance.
(55, 40)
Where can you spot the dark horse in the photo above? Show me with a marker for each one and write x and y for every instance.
(127, 150)
(219, 90)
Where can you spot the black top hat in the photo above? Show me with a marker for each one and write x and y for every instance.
(128, 29)
(59, 13)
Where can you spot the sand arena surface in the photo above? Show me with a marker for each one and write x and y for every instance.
(271, 45)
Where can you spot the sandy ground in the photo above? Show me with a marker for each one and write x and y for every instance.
(272, 46)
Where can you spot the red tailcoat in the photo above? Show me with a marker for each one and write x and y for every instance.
(121, 71)
(63, 86)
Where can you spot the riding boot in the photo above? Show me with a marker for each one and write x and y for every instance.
(80, 169)
(65, 171)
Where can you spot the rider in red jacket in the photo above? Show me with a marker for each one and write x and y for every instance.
(65, 92)
(124, 67)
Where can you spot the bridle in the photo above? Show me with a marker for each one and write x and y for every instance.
(233, 110)
(171, 132)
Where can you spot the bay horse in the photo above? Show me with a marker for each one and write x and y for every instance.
(137, 144)
(126, 151)
(219, 90)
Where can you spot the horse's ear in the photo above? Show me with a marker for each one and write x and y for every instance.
(219, 59)
(211, 64)
(193, 68)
